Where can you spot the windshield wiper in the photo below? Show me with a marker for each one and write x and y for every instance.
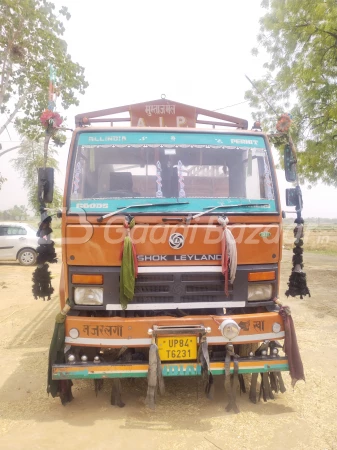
(213, 208)
(100, 219)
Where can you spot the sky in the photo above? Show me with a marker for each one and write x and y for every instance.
(194, 52)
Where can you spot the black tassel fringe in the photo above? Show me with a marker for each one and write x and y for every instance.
(42, 287)
(298, 280)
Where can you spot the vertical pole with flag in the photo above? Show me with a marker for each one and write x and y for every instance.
(52, 81)
(51, 107)
(42, 287)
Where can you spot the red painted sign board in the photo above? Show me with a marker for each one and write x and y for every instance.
(162, 113)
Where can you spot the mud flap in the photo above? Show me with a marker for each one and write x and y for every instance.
(253, 385)
(242, 384)
(206, 374)
(265, 388)
(270, 381)
(65, 393)
(98, 384)
(231, 381)
(116, 393)
(155, 378)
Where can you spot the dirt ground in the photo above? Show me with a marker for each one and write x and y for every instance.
(303, 418)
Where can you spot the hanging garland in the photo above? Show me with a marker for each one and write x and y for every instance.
(283, 124)
(42, 287)
(51, 121)
(59, 139)
(298, 280)
(297, 284)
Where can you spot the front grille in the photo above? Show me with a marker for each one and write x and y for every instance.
(201, 298)
(198, 288)
(203, 288)
(180, 287)
(197, 277)
(139, 289)
(152, 299)
(154, 278)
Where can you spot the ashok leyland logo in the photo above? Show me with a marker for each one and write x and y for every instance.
(176, 241)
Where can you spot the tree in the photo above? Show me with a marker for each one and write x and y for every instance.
(16, 213)
(30, 158)
(301, 76)
(2, 180)
(30, 40)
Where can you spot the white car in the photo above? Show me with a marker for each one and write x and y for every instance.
(18, 241)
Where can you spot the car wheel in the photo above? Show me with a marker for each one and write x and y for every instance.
(27, 257)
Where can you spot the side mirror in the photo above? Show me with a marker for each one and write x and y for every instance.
(289, 164)
(45, 185)
(294, 198)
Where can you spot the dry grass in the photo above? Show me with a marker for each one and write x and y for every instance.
(317, 238)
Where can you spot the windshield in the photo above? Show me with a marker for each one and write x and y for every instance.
(112, 170)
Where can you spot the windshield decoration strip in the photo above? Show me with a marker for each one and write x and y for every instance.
(197, 140)
(268, 182)
(159, 193)
(144, 172)
(182, 193)
(194, 205)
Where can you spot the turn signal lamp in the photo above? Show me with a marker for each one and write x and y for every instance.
(261, 276)
(87, 279)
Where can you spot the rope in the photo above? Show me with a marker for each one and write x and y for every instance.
(229, 253)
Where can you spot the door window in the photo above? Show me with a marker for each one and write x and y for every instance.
(3, 231)
(16, 231)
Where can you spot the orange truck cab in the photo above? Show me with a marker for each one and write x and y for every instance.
(196, 194)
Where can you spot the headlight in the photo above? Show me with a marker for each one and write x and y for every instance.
(88, 296)
(229, 329)
(257, 292)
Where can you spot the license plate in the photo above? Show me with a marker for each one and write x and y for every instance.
(177, 348)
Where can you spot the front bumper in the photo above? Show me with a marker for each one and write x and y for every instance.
(116, 332)
(133, 370)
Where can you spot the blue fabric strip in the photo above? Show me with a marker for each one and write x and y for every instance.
(195, 205)
(151, 137)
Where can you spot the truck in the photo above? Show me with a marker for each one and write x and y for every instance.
(171, 253)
